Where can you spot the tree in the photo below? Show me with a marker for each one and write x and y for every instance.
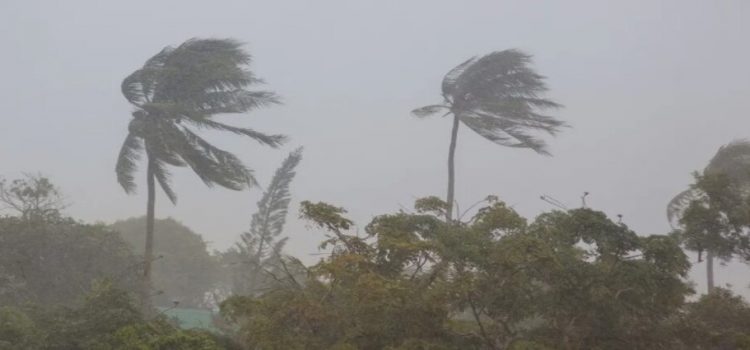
(260, 248)
(17, 330)
(181, 87)
(32, 197)
(499, 97)
(712, 209)
(719, 320)
(568, 280)
(55, 261)
(107, 318)
(184, 271)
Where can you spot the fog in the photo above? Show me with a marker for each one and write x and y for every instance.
(651, 90)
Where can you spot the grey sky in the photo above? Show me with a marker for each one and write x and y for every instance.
(651, 88)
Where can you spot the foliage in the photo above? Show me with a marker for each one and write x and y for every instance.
(259, 251)
(17, 330)
(711, 213)
(500, 97)
(107, 319)
(183, 269)
(568, 280)
(187, 86)
(716, 222)
(719, 320)
(175, 90)
(33, 197)
(54, 261)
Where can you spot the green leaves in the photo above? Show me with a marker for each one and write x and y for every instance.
(499, 97)
(34, 197)
(268, 140)
(493, 282)
(259, 252)
(191, 83)
(713, 214)
(325, 215)
(427, 111)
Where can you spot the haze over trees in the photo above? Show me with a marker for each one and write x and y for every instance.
(177, 89)
(253, 263)
(422, 277)
(713, 214)
(184, 270)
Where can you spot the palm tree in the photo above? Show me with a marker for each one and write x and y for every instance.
(731, 160)
(178, 90)
(499, 97)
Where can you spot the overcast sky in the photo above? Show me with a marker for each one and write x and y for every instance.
(651, 89)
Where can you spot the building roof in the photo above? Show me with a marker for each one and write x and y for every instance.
(191, 318)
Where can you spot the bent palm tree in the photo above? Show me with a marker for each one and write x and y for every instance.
(175, 90)
(731, 160)
(498, 96)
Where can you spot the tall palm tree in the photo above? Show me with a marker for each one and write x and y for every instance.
(177, 91)
(499, 97)
(731, 160)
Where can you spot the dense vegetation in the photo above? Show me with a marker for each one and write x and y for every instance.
(422, 278)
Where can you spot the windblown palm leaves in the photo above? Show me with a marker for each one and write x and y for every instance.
(499, 97)
(731, 160)
(176, 93)
(708, 213)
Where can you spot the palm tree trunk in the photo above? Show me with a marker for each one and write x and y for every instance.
(148, 255)
(452, 170)
(710, 270)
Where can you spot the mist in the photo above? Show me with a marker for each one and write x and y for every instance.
(650, 91)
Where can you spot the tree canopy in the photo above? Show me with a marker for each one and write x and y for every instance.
(184, 270)
(566, 280)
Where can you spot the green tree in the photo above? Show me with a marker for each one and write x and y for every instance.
(178, 88)
(55, 261)
(184, 271)
(719, 320)
(17, 330)
(711, 212)
(260, 248)
(569, 280)
(498, 96)
(33, 197)
(107, 318)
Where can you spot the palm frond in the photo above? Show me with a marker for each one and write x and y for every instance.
(235, 101)
(126, 162)
(202, 66)
(269, 140)
(499, 96)
(193, 82)
(427, 111)
(138, 87)
(503, 132)
(680, 203)
(163, 177)
(451, 78)
(160, 144)
(212, 164)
